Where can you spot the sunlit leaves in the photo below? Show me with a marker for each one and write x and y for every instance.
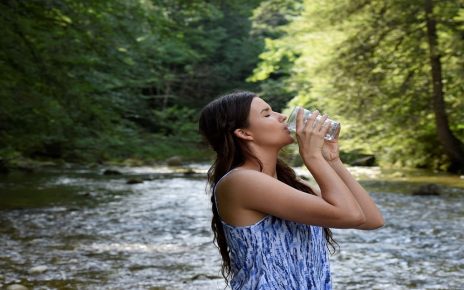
(366, 63)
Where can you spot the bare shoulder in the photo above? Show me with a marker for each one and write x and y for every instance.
(244, 196)
(233, 194)
(241, 179)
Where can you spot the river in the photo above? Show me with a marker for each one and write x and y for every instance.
(75, 228)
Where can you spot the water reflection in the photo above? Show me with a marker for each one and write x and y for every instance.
(96, 232)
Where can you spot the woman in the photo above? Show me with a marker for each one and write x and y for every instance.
(272, 228)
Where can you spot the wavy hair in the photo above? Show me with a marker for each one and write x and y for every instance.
(217, 123)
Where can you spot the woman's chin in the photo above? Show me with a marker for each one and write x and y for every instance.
(291, 140)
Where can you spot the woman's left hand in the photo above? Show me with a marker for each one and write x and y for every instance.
(330, 149)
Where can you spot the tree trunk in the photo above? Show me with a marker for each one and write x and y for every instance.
(453, 147)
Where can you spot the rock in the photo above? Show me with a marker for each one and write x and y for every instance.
(189, 171)
(149, 178)
(364, 161)
(111, 172)
(398, 174)
(184, 170)
(135, 180)
(38, 269)
(16, 287)
(427, 189)
(174, 161)
(88, 194)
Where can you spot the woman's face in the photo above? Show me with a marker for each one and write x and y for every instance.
(268, 128)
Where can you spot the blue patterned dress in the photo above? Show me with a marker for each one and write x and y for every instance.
(275, 254)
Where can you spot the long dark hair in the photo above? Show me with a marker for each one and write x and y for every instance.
(217, 123)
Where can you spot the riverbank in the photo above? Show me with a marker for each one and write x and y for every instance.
(183, 156)
(374, 178)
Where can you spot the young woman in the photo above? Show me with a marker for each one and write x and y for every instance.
(272, 228)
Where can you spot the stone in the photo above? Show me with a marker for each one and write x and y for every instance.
(38, 269)
(149, 178)
(111, 172)
(427, 189)
(398, 174)
(16, 287)
(189, 171)
(135, 180)
(174, 161)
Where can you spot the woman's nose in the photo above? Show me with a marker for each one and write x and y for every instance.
(283, 118)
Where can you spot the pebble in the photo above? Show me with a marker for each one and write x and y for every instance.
(174, 161)
(112, 172)
(38, 269)
(134, 181)
(16, 287)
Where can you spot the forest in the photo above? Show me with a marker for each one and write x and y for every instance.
(110, 81)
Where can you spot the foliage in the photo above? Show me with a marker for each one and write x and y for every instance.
(97, 80)
(366, 63)
(275, 67)
(86, 80)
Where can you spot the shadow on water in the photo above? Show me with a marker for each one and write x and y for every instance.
(76, 228)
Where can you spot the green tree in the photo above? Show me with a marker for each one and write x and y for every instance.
(369, 63)
(273, 73)
(93, 77)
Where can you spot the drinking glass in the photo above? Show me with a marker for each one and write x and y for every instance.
(333, 125)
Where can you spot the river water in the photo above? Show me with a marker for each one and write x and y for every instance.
(75, 228)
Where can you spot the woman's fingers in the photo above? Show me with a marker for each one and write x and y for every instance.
(312, 120)
(321, 123)
(300, 120)
(325, 127)
(314, 125)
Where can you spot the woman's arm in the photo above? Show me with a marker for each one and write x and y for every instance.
(374, 218)
(310, 137)
(373, 215)
(245, 190)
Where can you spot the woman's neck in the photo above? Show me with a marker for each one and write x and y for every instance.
(268, 160)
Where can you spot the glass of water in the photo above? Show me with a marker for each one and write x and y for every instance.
(334, 126)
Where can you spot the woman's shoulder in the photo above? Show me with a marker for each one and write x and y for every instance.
(239, 174)
(242, 178)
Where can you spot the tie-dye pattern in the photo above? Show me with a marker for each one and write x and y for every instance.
(278, 254)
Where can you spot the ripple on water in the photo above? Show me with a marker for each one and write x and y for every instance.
(156, 235)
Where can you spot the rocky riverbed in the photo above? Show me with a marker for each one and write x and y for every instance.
(78, 228)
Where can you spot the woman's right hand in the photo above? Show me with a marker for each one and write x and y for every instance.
(310, 135)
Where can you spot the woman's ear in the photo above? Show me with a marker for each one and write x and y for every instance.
(243, 134)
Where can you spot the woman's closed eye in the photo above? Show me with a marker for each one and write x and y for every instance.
(267, 112)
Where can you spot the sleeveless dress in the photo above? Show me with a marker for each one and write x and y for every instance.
(276, 254)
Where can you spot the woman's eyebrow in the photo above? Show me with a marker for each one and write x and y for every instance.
(265, 110)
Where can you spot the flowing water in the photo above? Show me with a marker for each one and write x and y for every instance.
(76, 228)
